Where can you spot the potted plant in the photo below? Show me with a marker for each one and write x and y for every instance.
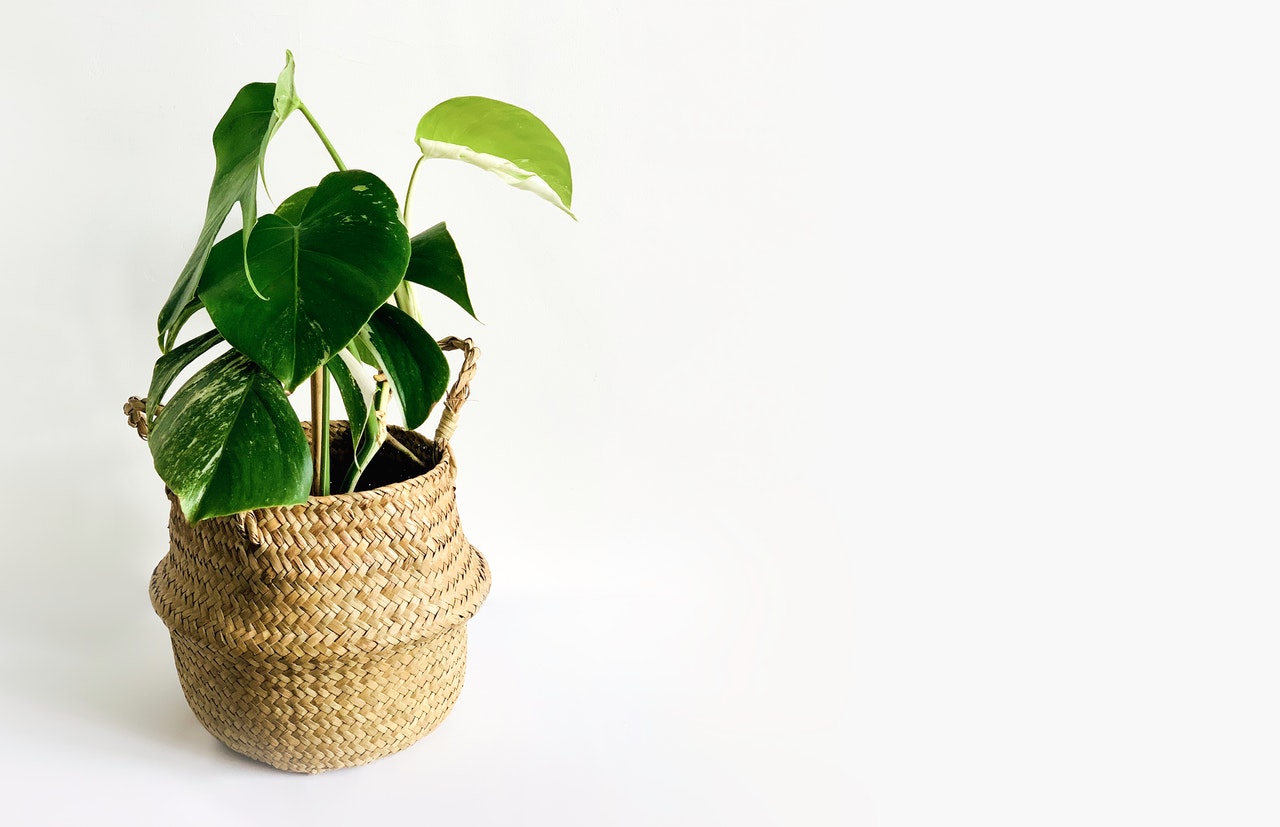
(318, 583)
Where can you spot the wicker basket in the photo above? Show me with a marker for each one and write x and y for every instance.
(332, 633)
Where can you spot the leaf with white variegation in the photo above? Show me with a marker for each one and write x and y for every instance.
(239, 144)
(230, 441)
(353, 400)
(506, 140)
(324, 269)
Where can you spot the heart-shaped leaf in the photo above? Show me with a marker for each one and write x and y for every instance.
(419, 371)
(239, 145)
(230, 441)
(291, 208)
(323, 276)
(508, 141)
(434, 262)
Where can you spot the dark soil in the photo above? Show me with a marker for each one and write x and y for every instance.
(389, 465)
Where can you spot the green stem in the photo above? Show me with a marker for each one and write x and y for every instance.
(317, 437)
(320, 379)
(324, 443)
(404, 293)
(333, 153)
(408, 193)
(405, 300)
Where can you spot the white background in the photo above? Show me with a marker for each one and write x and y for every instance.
(893, 441)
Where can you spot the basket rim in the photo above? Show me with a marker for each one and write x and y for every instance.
(442, 468)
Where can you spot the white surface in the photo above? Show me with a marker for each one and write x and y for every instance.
(892, 442)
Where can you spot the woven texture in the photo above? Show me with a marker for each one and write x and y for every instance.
(327, 634)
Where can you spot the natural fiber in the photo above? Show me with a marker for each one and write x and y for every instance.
(136, 410)
(331, 633)
(326, 634)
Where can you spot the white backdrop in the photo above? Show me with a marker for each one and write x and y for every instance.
(893, 441)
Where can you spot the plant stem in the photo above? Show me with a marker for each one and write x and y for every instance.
(333, 153)
(405, 300)
(408, 193)
(318, 442)
(325, 472)
(320, 379)
(404, 293)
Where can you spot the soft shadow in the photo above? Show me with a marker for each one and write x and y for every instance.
(84, 657)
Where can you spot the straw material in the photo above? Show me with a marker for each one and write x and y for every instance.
(327, 634)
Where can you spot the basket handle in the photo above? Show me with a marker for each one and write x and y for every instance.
(461, 388)
(136, 410)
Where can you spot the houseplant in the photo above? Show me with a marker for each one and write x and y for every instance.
(318, 583)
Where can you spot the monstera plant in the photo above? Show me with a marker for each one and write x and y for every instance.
(317, 293)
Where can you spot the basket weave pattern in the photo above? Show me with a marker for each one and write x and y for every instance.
(327, 634)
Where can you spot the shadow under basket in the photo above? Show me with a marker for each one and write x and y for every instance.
(332, 633)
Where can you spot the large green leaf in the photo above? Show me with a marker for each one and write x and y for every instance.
(419, 371)
(323, 276)
(291, 208)
(229, 441)
(239, 144)
(169, 365)
(434, 262)
(504, 139)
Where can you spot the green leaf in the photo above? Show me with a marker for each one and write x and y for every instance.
(504, 139)
(323, 276)
(285, 100)
(172, 363)
(291, 208)
(239, 144)
(166, 340)
(352, 396)
(434, 262)
(361, 351)
(229, 441)
(375, 433)
(415, 362)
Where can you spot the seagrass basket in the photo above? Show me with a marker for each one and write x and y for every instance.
(332, 633)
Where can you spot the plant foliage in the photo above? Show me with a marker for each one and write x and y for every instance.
(310, 291)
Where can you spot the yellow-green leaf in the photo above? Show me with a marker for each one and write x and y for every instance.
(506, 140)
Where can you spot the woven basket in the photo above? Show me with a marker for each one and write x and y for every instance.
(332, 633)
